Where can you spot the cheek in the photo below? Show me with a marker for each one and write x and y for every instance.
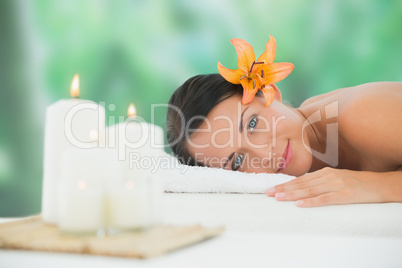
(211, 157)
(282, 128)
(222, 138)
(204, 149)
(303, 160)
(287, 125)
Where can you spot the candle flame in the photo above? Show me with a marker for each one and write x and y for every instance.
(75, 86)
(131, 111)
(81, 185)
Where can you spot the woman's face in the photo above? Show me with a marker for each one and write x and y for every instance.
(252, 138)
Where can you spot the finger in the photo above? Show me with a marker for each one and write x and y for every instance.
(298, 183)
(302, 185)
(305, 193)
(321, 200)
(306, 177)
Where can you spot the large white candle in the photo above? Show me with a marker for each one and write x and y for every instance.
(70, 123)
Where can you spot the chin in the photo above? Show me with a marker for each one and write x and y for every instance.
(302, 170)
(298, 168)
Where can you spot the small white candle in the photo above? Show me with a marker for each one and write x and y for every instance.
(86, 174)
(80, 207)
(68, 124)
(127, 206)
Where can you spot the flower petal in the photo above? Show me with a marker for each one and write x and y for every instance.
(245, 54)
(270, 51)
(269, 94)
(250, 88)
(275, 72)
(232, 76)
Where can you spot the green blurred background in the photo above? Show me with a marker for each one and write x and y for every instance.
(141, 51)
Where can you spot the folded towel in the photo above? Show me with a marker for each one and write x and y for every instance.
(180, 178)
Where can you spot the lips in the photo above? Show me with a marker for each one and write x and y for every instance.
(285, 152)
(286, 156)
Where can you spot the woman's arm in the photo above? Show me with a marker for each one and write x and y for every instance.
(330, 186)
(369, 122)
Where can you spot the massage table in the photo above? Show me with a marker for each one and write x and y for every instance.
(260, 231)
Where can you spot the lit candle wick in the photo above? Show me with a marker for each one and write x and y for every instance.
(75, 87)
(131, 111)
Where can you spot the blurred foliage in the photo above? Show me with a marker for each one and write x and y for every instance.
(141, 51)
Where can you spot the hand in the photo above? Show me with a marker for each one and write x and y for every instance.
(330, 186)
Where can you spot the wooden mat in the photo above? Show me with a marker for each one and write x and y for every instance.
(32, 234)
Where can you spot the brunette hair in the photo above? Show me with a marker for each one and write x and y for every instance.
(188, 107)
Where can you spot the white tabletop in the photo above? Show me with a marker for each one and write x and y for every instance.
(253, 239)
(238, 250)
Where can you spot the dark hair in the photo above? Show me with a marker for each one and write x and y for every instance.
(188, 107)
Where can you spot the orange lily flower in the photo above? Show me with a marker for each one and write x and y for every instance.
(256, 75)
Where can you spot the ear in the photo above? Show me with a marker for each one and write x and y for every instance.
(278, 94)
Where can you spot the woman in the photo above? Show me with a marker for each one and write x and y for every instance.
(348, 140)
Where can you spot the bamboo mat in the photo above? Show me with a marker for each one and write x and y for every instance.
(32, 234)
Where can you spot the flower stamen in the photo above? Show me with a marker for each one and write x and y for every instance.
(252, 65)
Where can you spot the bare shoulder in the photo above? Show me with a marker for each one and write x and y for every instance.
(315, 99)
(370, 119)
(380, 98)
(378, 89)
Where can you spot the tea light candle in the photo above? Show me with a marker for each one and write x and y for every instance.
(80, 207)
(68, 125)
(86, 173)
(127, 206)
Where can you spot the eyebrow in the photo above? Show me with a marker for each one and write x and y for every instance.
(240, 131)
(241, 120)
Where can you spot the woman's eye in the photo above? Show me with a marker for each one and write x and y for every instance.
(237, 162)
(252, 124)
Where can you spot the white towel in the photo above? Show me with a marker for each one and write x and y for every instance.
(178, 178)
